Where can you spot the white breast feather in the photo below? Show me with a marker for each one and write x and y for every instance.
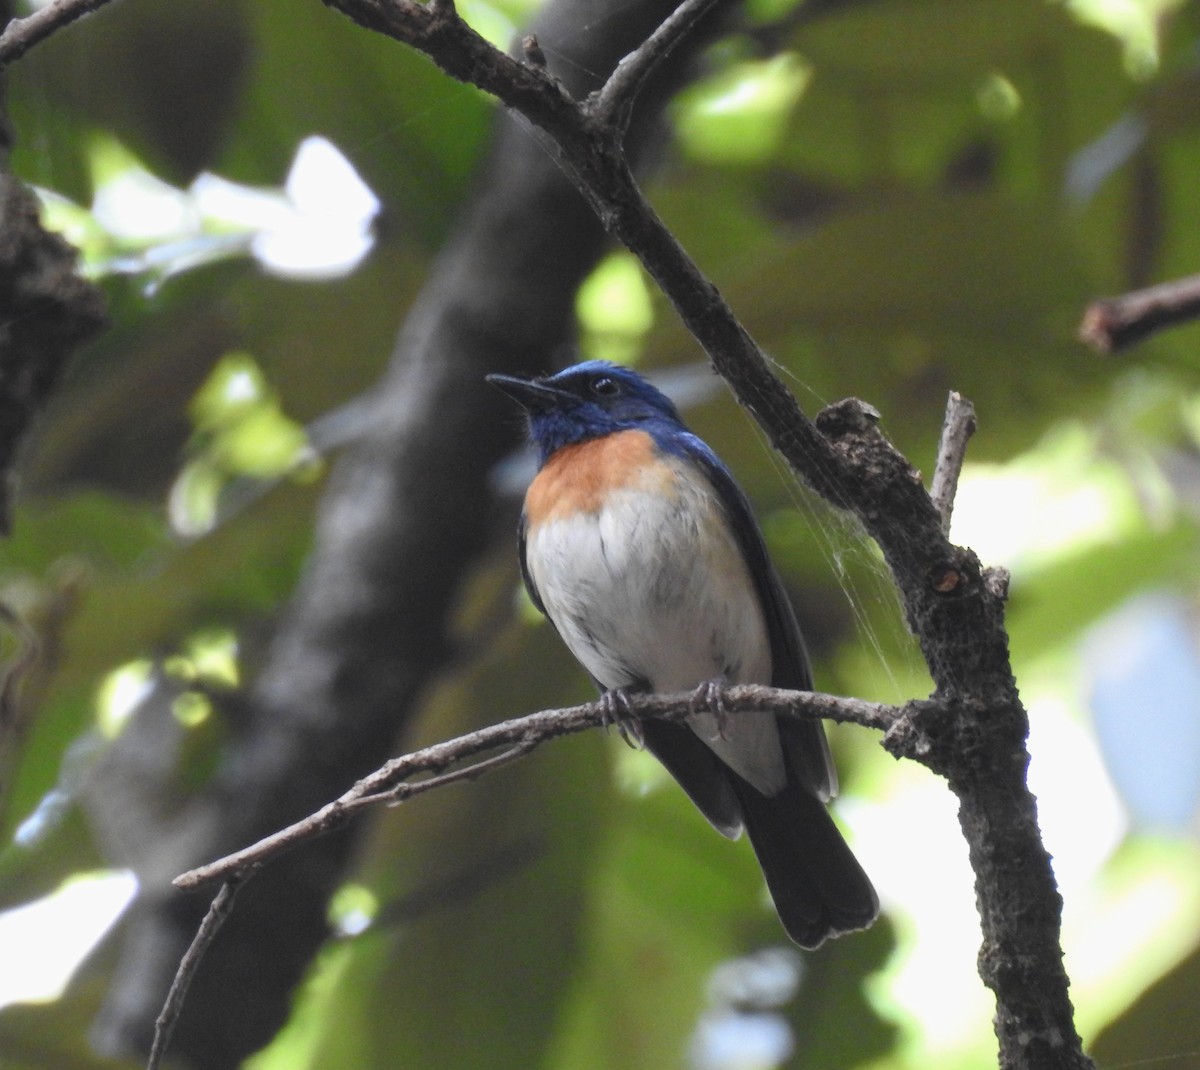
(644, 591)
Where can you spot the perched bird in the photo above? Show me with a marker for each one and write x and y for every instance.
(641, 549)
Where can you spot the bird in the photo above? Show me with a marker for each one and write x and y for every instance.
(639, 546)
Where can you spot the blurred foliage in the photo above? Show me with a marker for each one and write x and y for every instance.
(900, 198)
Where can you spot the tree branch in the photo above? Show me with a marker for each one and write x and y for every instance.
(218, 913)
(612, 103)
(391, 784)
(957, 430)
(1114, 323)
(20, 35)
(46, 309)
(591, 149)
(48, 312)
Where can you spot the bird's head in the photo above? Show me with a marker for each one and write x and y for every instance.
(587, 401)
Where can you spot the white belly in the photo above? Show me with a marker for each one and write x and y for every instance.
(653, 590)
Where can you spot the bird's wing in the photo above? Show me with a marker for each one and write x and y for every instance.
(706, 779)
(804, 740)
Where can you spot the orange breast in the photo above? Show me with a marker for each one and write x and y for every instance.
(578, 478)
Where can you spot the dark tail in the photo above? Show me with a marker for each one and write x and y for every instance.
(818, 886)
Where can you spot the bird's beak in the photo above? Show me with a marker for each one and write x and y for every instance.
(530, 394)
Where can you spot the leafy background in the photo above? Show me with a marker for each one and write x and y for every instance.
(899, 198)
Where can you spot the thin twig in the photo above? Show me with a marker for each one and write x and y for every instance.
(614, 100)
(403, 792)
(389, 784)
(20, 35)
(957, 429)
(1113, 323)
(218, 912)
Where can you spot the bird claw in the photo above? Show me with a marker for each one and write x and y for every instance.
(709, 698)
(616, 712)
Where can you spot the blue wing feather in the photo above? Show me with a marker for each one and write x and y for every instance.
(805, 741)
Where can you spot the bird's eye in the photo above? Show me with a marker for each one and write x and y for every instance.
(605, 387)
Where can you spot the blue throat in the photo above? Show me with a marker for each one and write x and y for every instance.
(551, 431)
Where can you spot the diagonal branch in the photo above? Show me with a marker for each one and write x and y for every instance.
(20, 35)
(1115, 323)
(590, 149)
(437, 30)
(613, 102)
(218, 911)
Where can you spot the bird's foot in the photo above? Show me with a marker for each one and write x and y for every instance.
(709, 698)
(617, 713)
